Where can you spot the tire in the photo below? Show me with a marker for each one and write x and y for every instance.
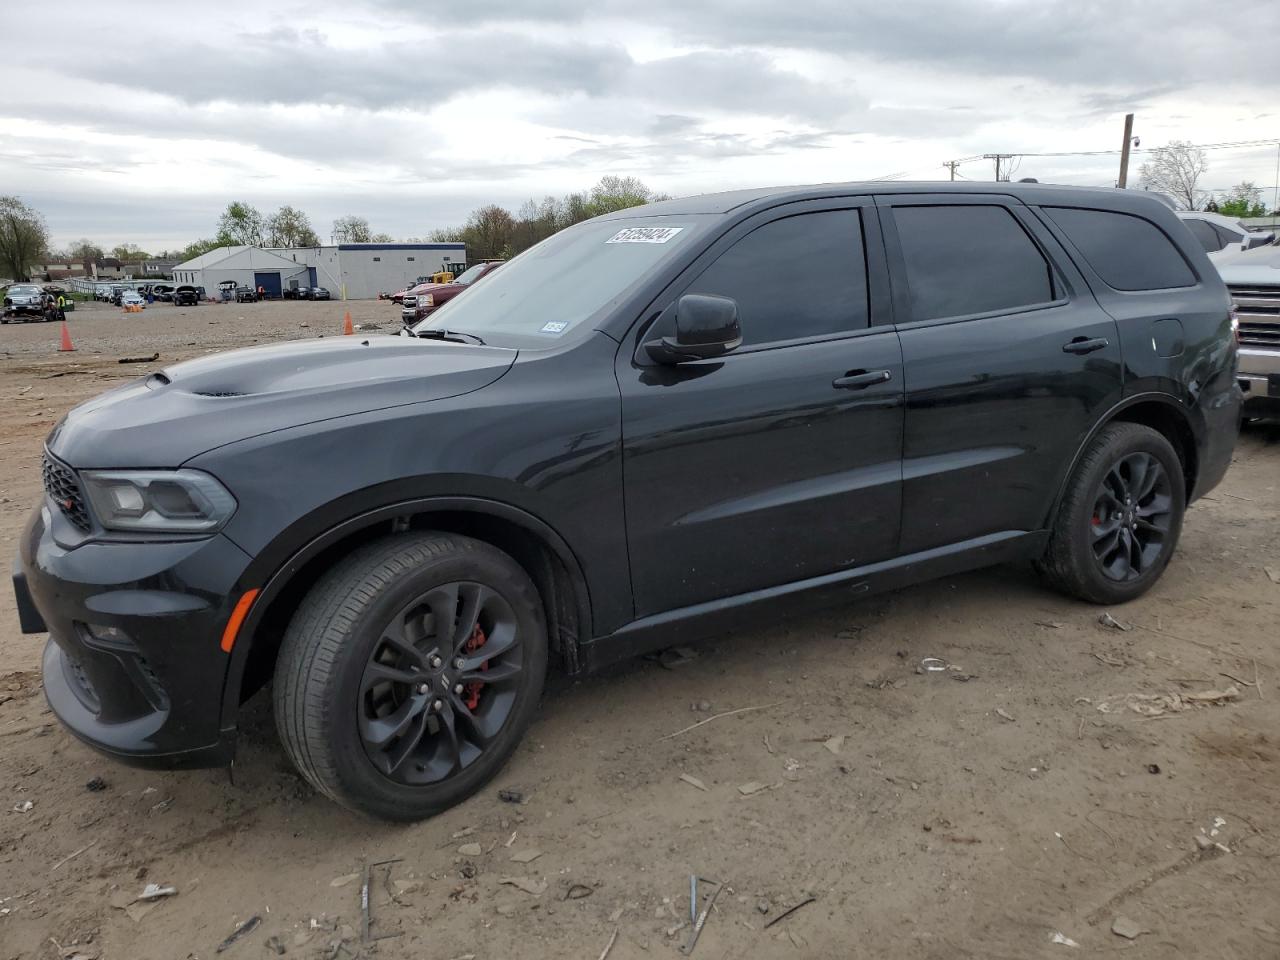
(332, 698)
(1082, 558)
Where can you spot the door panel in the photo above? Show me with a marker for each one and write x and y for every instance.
(782, 460)
(753, 470)
(997, 405)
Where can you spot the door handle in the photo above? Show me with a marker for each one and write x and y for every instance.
(1084, 345)
(861, 379)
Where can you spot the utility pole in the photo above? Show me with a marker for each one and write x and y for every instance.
(997, 157)
(1124, 151)
(951, 165)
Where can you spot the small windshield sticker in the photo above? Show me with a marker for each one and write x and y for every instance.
(554, 326)
(644, 235)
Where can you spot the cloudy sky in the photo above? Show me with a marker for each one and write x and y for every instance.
(142, 119)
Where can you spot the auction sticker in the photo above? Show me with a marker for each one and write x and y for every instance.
(554, 326)
(644, 235)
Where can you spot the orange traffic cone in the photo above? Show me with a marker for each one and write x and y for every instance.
(66, 340)
(347, 328)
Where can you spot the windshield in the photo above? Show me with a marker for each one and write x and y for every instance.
(24, 290)
(470, 274)
(556, 286)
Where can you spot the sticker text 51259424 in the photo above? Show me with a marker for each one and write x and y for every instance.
(644, 235)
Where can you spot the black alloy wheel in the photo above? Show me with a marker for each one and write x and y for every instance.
(1117, 524)
(1132, 515)
(440, 683)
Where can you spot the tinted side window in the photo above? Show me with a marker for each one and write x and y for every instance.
(967, 259)
(803, 276)
(1205, 233)
(1127, 252)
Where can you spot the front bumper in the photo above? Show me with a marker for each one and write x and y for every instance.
(1259, 378)
(150, 690)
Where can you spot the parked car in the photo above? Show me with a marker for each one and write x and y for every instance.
(186, 296)
(631, 435)
(1223, 236)
(116, 294)
(131, 298)
(246, 295)
(24, 301)
(430, 297)
(319, 293)
(1253, 279)
(162, 291)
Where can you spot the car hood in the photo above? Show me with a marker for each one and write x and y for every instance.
(190, 408)
(1259, 265)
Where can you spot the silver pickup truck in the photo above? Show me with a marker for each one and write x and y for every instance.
(1253, 277)
(24, 301)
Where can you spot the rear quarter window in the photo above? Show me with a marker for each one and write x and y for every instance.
(1128, 252)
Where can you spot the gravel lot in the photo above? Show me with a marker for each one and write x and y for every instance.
(929, 817)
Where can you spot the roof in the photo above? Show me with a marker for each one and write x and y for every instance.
(256, 257)
(452, 245)
(768, 196)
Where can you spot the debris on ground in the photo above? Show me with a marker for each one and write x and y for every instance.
(700, 921)
(26, 806)
(609, 946)
(151, 359)
(717, 716)
(1163, 704)
(834, 743)
(1005, 715)
(343, 880)
(1062, 939)
(578, 891)
(525, 856)
(511, 796)
(96, 785)
(1051, 624)
(931, 665)
(533, 887)
(156, 891)
(763, 906)
(810, 898)
(1273, 574)
(693, 781)
(471, 850)
(1124, 927)
(1107, 620)
(701, 706)
(675, 657)
(243, 930)
(754, 786)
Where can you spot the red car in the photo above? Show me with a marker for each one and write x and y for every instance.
(422, 300)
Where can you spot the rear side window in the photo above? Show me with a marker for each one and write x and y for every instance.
(967, 259)
(1206, 234)
(1127, 252)
(803, 276)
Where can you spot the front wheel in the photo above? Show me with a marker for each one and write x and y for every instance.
(1120, 518)
(410, 672)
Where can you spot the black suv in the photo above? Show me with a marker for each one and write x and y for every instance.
(651, 427)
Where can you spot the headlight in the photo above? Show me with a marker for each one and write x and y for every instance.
(158, 501)
(428, 301)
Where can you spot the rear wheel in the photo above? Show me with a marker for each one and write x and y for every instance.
(1119, 521)
(410, 673)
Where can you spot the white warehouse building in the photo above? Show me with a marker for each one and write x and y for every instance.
(351, 271)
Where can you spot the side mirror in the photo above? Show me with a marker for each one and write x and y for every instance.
(706, 327)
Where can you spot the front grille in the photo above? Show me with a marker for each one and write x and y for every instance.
(1258, 307)
(60, 483)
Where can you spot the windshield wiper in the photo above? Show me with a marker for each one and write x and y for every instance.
(453, 336)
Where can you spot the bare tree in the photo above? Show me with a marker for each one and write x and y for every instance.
(290, 227)
(1176, 169)
(352, 229)
(24, 238)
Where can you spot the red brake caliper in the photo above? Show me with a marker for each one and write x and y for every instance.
(471, 695)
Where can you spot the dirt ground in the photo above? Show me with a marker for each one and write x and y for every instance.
(970, 812)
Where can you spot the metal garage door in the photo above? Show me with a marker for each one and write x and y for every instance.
(269, 282)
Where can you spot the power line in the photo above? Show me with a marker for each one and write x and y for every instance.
(1106, 153)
